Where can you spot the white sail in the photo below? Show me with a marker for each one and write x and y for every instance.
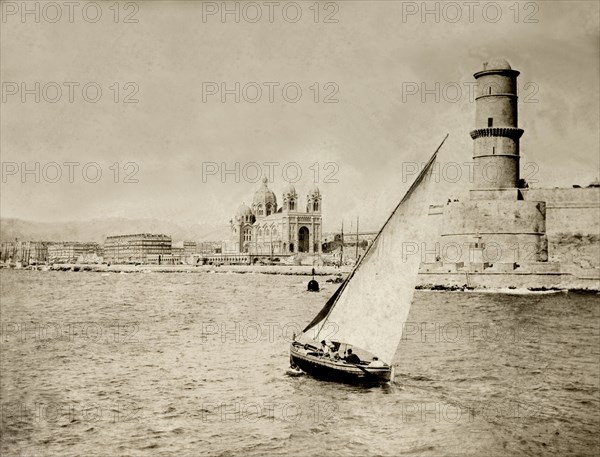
(372, 308)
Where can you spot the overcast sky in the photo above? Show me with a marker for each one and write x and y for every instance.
(372, 61)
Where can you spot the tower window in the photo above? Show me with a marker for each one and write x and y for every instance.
(493, 149)
(490, 121)
(489, 91)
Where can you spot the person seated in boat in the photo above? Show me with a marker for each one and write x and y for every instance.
(335, 351)
(351, 357)
(376, 362)
(325, 349)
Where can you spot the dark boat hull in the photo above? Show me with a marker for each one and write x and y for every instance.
(327, 369)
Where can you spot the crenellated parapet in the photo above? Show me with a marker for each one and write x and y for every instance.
(508, 132)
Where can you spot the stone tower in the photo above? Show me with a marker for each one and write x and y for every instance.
(496, 135)
(496, 227)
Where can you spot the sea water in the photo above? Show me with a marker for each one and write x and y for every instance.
(195, 364)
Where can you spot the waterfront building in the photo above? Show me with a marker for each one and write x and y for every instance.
(163, 259)
(26, 252)
(37, 252)
(177, 249)
(189, 248)
(266, 229)
(139, 248)
(177, 253)
(183, 252)
(73, 251)
(8, 251)
(225, 259)
(209, 247)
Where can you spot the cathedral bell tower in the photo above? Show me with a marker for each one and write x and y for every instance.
(313, 200)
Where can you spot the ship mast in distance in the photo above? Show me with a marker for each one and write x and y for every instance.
(342, 246)
(356, 256)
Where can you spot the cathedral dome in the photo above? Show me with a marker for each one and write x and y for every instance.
(243, 210)
(497, 63)
(264, 195)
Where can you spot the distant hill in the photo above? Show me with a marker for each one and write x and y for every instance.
(98, 229)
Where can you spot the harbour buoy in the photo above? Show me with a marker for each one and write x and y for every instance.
(313, 286)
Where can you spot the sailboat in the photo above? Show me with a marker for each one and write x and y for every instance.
(366, 315)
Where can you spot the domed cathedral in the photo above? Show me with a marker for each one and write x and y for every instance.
(266, 229)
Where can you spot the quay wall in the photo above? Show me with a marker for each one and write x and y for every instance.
(502, 280)
(301, 270)
(548, 275)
